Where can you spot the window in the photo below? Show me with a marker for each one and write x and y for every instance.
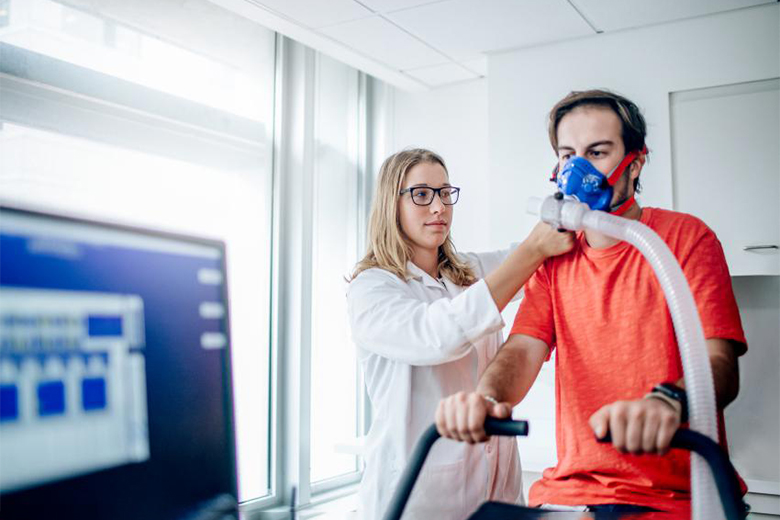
(324, 171)
(158, 114)
(163, 115)
(334, 386)
(193, 50)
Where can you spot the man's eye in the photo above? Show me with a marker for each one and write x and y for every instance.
(565, 157)
(597, 153)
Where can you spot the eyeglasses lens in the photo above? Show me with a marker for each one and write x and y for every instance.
(423, 196)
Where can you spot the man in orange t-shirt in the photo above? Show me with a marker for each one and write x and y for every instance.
(618, 368)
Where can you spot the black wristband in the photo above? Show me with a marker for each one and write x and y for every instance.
(678, 394)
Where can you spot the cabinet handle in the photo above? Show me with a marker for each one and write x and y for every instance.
(756, 248)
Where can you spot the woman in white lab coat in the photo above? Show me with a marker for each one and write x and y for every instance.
(426, 321)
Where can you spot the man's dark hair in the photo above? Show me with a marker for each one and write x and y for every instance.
(634, 128)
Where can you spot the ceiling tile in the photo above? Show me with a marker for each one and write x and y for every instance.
(463, 29)
(387, 6)
(314, 13)
(610, 15)
(384, 42)
(441, 74)
(479, 65)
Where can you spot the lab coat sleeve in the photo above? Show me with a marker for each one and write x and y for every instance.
(485, 263)
(388, 320)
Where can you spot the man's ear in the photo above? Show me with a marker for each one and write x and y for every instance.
(635, 168)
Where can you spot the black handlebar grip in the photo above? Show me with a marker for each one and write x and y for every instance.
(722, 471)
(506, 427)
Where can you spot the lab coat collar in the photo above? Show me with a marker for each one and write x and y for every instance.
(418, 274)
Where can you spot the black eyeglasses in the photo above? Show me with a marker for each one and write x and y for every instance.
(423, 195)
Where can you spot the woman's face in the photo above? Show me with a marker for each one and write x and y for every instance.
(427, 227)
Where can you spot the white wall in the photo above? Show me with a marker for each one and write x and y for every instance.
(644, 64)
(453, 121)
(754, 419)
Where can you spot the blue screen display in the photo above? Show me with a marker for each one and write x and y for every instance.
(102, 336)
(104, 325)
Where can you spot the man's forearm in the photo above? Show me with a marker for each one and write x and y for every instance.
(725, 371)
(514, 369)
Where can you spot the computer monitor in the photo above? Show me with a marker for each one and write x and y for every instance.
(115, 396)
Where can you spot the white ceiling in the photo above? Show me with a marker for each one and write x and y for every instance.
(421, 44)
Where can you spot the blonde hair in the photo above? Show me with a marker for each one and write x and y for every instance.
(388, 246)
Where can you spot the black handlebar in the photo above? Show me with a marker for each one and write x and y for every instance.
(724, 473)
(505, 427)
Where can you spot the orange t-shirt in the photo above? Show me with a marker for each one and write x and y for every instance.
(605, 312)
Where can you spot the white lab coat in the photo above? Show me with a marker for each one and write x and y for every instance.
(420, 341)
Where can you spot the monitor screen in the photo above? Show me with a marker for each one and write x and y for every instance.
(115, 397)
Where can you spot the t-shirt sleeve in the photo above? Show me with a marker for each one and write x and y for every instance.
(535, 315)
(704, 265)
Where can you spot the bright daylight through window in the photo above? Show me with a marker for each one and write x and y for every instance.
(334, 383)
(154, 114)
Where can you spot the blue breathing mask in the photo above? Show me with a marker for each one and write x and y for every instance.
(580, 179)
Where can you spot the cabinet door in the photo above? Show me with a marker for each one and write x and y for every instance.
(726, 168)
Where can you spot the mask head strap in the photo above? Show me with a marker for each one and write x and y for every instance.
(613, 177)
(623, 207)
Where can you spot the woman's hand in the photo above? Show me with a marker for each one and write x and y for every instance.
(548, 241)
(543, 242)
(462, 416)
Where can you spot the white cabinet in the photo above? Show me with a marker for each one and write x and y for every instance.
(726, 168)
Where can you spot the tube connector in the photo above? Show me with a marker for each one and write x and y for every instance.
(559, 211)
(572, 213)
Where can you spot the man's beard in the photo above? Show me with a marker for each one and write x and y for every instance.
(623, 194)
